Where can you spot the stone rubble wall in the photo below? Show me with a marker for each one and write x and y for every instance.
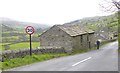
(9, 54)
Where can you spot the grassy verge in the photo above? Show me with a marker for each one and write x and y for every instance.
(119, 42)
(82, 50)
(16, 62)
(105, 42)
(0, 65)
(11, 63)
(118, 50)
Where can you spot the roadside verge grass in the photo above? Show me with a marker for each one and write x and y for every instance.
(82, 50)
(105, 42)
(11, 63)
(16, 62)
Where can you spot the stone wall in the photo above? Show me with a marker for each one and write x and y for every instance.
(23, 52)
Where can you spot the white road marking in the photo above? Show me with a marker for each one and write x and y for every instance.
(81, 61)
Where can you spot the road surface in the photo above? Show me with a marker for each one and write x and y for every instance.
(104, 59)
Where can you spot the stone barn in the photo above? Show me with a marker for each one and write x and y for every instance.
(72, 37)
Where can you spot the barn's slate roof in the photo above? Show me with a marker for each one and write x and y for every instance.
(75, 30)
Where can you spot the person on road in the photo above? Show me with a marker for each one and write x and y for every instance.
(98, 44)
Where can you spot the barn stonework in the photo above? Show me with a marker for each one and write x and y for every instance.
(71, 37)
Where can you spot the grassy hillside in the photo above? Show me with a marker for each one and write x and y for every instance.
(14, 31)
(9, 24)
(107, 22)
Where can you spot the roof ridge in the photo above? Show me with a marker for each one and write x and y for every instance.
(74, 30)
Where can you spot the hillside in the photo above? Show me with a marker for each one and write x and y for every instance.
(14, 31)
(13, 25)
(98, 22)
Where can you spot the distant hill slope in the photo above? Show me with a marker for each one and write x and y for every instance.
(6, 28)
(13, 25)
(107, 22)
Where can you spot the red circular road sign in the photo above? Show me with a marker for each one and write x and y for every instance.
(29, 30)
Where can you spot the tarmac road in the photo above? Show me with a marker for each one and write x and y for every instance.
(104, 59)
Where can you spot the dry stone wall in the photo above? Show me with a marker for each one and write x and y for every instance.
(9, 54)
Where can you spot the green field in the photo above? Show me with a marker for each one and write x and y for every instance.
(22, 45)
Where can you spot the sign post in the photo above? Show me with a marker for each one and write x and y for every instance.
(30, 30)
(30, 46)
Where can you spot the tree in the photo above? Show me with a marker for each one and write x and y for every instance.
(117, 5)
(110, 5)
(113, 6)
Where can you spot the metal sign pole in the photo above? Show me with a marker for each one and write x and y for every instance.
(30, 46)
(30, 31)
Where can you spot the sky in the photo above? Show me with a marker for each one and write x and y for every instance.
(49, 12)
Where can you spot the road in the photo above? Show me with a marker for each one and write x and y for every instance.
(104, 59)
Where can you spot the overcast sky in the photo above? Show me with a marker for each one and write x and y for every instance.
(49, 11)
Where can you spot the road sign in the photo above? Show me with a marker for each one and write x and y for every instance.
(29, 30)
